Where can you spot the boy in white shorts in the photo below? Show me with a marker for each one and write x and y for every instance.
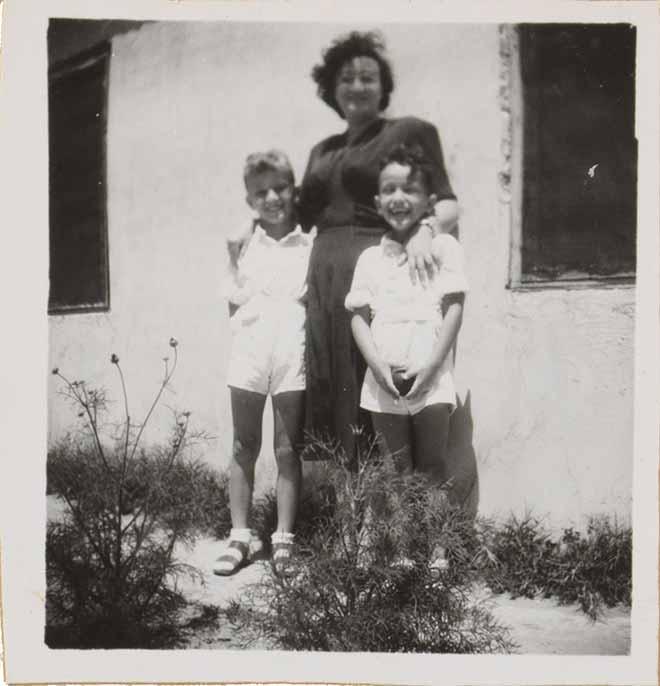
(406, 331)
(266, 290)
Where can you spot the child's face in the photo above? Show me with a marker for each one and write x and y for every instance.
(403, 198)
(270, 194)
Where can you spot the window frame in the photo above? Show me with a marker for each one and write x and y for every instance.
(511, 178)
(101, 52)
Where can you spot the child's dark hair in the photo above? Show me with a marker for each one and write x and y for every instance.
(344, 49)
(271, 160)
(413, 156)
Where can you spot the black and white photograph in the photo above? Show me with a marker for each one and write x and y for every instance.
(333, 342)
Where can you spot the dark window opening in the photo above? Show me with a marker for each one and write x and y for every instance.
(579, 204)
(77, 99)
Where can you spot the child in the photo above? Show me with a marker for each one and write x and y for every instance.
(405, 331)
(267, 356)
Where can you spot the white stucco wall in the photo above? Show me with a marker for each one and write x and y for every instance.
(549, 372)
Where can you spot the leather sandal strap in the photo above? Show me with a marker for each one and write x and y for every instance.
(239, 545)
(234, 557)
(236, 551)
(282, 550)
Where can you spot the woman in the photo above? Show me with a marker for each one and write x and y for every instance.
(337, 196)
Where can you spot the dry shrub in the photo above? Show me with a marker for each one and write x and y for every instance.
(110, 566)
(592, 569)
(361, 579)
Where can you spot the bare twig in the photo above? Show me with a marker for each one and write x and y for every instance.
(82, 401)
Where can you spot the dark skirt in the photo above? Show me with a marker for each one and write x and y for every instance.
(334, 366)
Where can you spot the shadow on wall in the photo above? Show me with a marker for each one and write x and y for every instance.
(462, 459)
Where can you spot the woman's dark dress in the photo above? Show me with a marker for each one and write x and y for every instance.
(337, 196)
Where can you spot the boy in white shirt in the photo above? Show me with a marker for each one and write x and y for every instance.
(267, 357)
(405, 331)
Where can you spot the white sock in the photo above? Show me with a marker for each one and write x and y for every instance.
(281, 537)
(242, 535)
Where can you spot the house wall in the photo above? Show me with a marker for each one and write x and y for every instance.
(548, 372)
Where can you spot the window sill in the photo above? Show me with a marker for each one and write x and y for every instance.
(83, 309)
(623, 281)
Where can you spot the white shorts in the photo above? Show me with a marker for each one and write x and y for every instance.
(268, 355)
(376, 399)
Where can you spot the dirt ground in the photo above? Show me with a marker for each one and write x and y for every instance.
(538, 626)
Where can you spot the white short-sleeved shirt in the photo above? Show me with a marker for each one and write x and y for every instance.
(268, 329)
(404, 316)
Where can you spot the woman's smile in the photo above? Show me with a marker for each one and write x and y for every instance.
(358, 90)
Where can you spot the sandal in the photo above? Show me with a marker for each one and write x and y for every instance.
(402, 562)
(438, 563)
(282, 547)
(236, 556)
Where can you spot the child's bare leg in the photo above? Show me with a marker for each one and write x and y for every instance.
(394, 438)
(247, 410)
(288, 415)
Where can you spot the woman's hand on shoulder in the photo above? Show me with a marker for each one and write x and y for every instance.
(419, 252)
(423, 260)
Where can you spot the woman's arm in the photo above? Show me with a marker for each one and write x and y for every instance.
(425, 372)
(422, 262)
(365, 342)
(445, 215)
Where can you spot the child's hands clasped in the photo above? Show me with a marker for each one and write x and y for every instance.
(423, 375)
(383, 374)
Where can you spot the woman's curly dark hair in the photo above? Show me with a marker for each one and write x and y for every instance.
(344, 49)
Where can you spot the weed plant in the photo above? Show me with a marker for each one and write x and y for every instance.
(593, 569)
(111, 571)
(361, 580)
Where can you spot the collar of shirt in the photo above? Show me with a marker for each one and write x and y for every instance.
(391, 248)
(295, 235)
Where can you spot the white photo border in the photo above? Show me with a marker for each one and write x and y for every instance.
(24, 274)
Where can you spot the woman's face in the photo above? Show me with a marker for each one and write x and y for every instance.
(358, 90)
